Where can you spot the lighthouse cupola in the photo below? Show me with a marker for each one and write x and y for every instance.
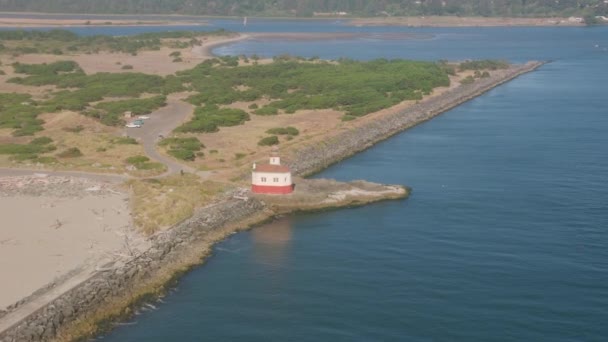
(274, 157)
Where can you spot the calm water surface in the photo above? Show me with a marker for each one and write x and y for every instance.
(505, 237)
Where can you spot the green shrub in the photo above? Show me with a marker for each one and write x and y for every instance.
(72, 152)
(111, 113)
(484, 64)
(467, 80)
(137, 160)
(23, 157)
(175, 54)
(182, 148)
(253, 106)
(269, 141)
(127, 67)
(19, 112)
(150, 166)
(41, 141)
(75, 129)
(190, 143)
(182, 154)
(125, 141)
(267, 110)
(25, 149)
(292, 131)
(177, 60)
(46, 160)
(46, 69)
(238, 156)
(210, 117)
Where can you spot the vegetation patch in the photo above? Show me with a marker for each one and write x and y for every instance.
(124, 141)
(357, 88)
(54, 68)
(484, 64)
(19, 112)
(72, 152)
(467, 80)
(289, 130)
(86, 89)
(55, 41)
(25, 149)
(31, 151)
(182, 148)
(74, 129)
(112, 112)
(144, 163)
(269, 141)
(210, 117)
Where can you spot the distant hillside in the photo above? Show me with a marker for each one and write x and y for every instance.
(308, 8)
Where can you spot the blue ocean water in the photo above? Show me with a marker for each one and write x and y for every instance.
(505, 237)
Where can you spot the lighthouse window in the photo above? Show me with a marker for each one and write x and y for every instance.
(276, 179)
(264, 179)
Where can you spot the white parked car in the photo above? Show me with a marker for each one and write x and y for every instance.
(143, 117)
(132, 125)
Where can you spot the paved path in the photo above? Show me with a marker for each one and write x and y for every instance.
(163, 122)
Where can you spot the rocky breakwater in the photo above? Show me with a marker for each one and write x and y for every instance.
(323, 194)
(315, 157)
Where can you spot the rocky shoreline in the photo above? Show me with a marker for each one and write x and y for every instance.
(115, 289)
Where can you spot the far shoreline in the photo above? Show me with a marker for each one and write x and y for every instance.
(14, 19)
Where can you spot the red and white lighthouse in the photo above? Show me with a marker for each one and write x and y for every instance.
(273, 178)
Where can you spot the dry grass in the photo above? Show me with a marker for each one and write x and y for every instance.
(243, 140)
(160, 203)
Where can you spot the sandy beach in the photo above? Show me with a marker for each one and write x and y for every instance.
(47, 232)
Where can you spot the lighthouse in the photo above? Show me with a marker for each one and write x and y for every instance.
(272, 178)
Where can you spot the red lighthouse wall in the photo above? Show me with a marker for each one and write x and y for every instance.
(272, 190)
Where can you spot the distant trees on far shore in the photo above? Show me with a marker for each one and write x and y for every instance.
(307, 8)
